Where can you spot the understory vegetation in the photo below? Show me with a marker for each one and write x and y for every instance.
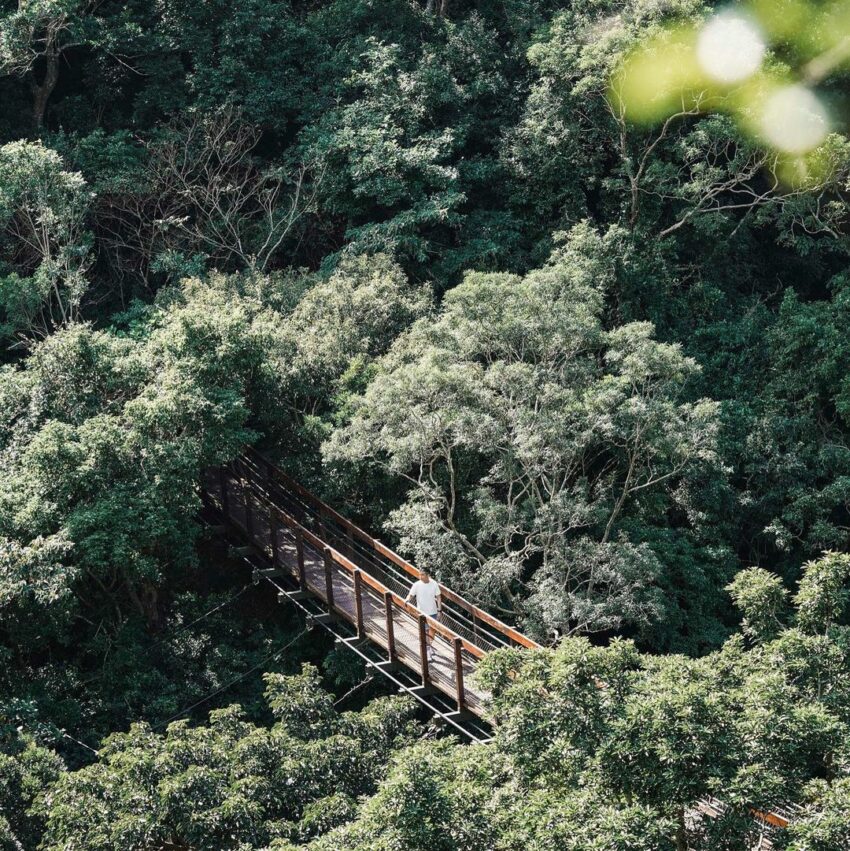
(593, 374)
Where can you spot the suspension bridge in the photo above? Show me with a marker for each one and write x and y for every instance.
(354, 586)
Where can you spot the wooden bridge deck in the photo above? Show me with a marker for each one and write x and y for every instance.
(359, 580)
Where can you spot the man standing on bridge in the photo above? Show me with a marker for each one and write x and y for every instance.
(426, 592)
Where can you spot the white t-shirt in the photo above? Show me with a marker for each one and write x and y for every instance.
(425, 594)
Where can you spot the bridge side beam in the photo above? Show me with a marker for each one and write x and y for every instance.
(423, 649)
(461, 693)
(388, 608)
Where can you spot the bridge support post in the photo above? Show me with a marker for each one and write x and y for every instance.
(358, 603)
(461, 694)
(329, 580)
(388, 608)
(299, 554)
(270, 468)
(423, 649)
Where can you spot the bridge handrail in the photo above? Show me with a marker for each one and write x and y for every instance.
(323, 508)
(453, 616)
(346, 564)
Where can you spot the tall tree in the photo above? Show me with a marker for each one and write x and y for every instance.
(36, 37)
(528, 433)
(43, 239)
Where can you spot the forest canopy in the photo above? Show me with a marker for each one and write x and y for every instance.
(538, 292)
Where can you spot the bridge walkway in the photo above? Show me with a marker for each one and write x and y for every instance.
(362, 583)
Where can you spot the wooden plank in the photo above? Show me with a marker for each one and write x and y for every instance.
(299, 555)
(323, 532)
(222, 484)
(770, 818)
(274, 527)
(239, 552)
(249, 512)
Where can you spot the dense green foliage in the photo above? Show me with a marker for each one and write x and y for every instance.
(605, 748)
(596, 747)
(530, 428)
(231, 783)
(594, 374)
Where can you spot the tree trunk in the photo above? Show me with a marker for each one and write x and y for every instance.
(41, 92)
(146, 600)
(681, 832)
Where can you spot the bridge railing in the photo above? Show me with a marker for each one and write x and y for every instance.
(247, 504)
(466, 619)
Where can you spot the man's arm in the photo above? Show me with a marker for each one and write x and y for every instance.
(410, 594)
(439, 601)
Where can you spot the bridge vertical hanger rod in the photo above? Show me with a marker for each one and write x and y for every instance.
(222, 483)
(461, 696)
(388, 606)
(423, 649)
(329, 581)
(299, 554)
(358, 603)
